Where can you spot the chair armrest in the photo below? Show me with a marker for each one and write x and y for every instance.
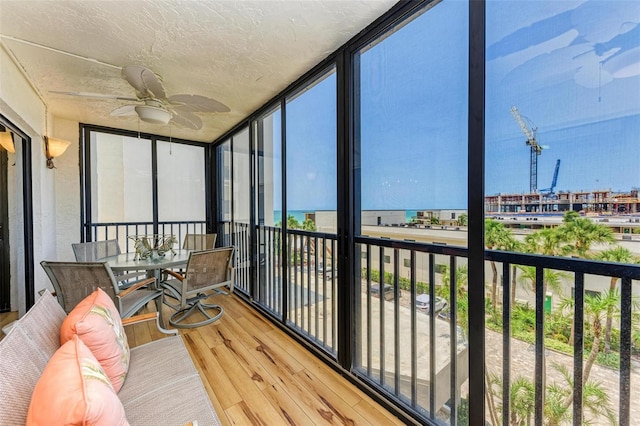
(230, 272)
(173, 274)
(136, 319)
(136, 286)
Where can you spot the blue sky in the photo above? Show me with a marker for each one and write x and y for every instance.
(572, 68)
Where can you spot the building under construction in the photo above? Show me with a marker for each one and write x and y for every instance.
(599, 202)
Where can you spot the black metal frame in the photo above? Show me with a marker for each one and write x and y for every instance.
(475, 205)
(284, 221)
(211, 189)
(27, 206)
(5, 276)
(351, 244)
(86, 223)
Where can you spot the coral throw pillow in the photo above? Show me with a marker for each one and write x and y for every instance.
(97, 323)
(74, 390)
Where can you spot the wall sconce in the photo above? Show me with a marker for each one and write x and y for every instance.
(6, 141)
(54, 148)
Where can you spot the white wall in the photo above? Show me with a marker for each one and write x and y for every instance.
(67, 189)
(387, 217)
(55, 192)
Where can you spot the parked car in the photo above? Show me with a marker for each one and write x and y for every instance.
(388, 291)
(422, 303)
(328, 271)
(445, 314)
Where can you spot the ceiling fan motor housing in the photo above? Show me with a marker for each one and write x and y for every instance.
(153, 114)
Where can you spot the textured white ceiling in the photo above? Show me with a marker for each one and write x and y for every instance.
(240, 53)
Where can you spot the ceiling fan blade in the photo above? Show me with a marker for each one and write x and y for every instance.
(197, 103)
(187, 119)
(145, 81)
(123, 111)
(92, 95)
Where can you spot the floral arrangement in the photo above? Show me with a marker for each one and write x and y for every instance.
(155, 245)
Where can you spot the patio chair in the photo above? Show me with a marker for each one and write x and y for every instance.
(73, 281)
(199, 241)
(207, 272)
(96, 250)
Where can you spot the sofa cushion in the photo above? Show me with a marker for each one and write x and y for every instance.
(24, 353)
(177, 398)
(96, 321)
(73, 389)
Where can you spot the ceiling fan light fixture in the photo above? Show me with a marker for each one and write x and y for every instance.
(152, 114)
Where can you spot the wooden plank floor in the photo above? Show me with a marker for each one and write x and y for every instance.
(6, 318)
(257, 375)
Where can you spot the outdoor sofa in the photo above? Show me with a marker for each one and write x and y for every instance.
(161, 387)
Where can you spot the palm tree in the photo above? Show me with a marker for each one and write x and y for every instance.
(595, 309)
(595, 400)
(522, 394)
(548, 241)
(308, 225)
(496, 236)
(511, 244)
(574, 236)
(462, 315)
(462, 276)
(581, 233)
(292, 222)
(559, 399)
(463, 219)
(567, 305)
(523, 397)
(570, 216)
(551, 279)
(620, 255)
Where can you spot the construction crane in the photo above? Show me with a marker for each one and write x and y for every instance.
(549, 192)
(536, 149)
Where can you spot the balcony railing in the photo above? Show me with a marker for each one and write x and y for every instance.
(312, 286)
(419, 359)
(237, 234)
(312, 277)
(123, 230)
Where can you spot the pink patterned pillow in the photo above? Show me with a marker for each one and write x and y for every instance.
(74, 390)
(97, 323)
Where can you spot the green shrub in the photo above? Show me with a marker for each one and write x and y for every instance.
(558, 325)
(525, 336)
(523, 322)
(463, 412)
(523, 318)
(551, 343)
(612, 359)
(615, 339)
(403, 282)
(560, 338)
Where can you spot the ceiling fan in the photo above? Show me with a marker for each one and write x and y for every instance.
(154, 106)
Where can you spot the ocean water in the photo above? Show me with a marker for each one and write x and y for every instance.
(299, 215)
(409, 214)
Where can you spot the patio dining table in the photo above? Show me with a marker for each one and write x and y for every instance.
(153, 265)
